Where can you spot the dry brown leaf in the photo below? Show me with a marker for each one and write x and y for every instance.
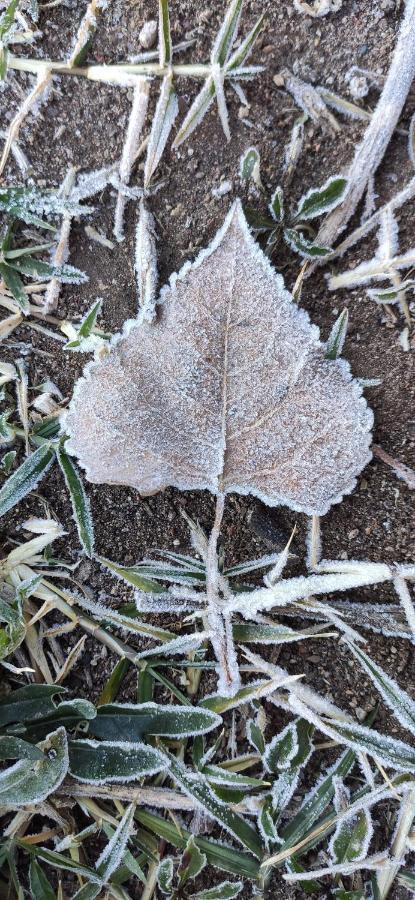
(228, 390)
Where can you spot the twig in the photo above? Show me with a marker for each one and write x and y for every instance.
(43, 81)
(402, 471)
(164, 798)
(370, 152)
(62, 248)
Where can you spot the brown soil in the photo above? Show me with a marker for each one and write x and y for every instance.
(377, 521)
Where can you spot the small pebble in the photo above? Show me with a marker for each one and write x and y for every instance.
(148, 34)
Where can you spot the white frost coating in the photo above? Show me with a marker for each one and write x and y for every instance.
(405, 598)
(176, 646)
(228, 390)
(129, 152)
(146, 262)
(388, 235)
(375, 863)
(293, 589)
(358, 846)
(112, 855)
(128, 749)
(397, 699)
(164, 116)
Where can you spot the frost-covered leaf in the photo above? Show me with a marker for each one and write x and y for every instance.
(201, 792)
(192, 862)
(30, 702)
(276, 206)
(15, 285)
(249, 166)
(299, 436)
(40, 886)
(112, 855)
(351, 839)
(79, 500)
(26, 478)
(197, 111)
(300, 244)
(322, 200)
(31, 781)
(129, 721)
(389, 751)
(227, 33)
(165, 48)
(397, 699)
(337, 336)
(12, 626)
(165, 872)
(15, 748)
(102, 762)
(227, 890)
(163, 120)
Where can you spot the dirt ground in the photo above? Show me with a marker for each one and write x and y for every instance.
(83, 124)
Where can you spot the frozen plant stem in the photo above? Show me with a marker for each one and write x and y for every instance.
(132, 140)
(43, 81)
(370, 152)
(62, 249)
(219, 624)
(399, 847)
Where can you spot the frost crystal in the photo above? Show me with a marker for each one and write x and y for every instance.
(228, 390)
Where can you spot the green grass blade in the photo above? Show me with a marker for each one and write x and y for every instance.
(26, 478)
(79, 500)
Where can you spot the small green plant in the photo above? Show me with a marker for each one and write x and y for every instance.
(294, 228)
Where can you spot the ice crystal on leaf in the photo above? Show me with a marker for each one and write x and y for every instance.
(229, 389)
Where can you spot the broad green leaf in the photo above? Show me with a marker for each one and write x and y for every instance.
(15, 748)
(31, 781)
(164, 116)
(337, 336)
(79, 500)
(322, 200)
(112, 855)
(103, 762)
(191, 863)
(228, 859)
(276, 206)
(69, 714)
(26, 478)
(31, 702)
(129, 721)
(227, 890)
(40, 887)
(165, 46)
(207, 800)
(301, 245)
(15, 285)
(397, 699)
